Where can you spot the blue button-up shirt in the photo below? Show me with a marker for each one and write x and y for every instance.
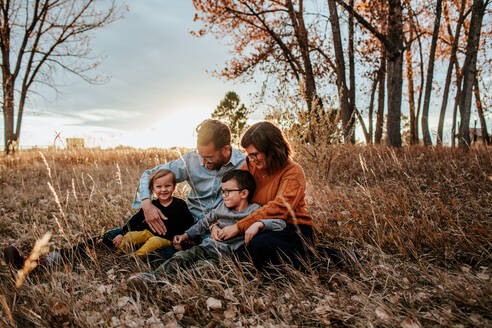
(205, 184)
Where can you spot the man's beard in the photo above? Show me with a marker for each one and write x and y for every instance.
(217, 165)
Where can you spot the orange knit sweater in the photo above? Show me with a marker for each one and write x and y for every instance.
(281, 195)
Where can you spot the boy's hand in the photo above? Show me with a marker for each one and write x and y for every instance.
(214, 232)
(178, 239)
(154, 217)
(117, 240)
(252, 231)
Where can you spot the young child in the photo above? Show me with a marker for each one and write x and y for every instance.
(135, 232)
(238, 187)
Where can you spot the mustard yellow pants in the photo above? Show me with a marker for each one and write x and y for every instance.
(145, 238)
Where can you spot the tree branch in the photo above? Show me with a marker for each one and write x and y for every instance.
(384, 40)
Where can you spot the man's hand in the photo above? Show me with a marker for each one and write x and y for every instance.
(252, 231)
(178, 239)
(117, 240)
(154, 217)
(228, 232)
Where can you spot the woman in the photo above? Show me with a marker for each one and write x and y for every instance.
(280, 189)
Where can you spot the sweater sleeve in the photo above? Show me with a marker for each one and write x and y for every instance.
(291, 191)
(274, 224)
(202, 226)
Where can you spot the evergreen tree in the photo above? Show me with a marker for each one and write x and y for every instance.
(233, 113)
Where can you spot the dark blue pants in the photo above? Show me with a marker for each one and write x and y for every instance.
(289, 245)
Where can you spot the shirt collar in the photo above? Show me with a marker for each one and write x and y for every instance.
(236, 157)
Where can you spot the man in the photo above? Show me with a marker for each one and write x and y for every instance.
(202, 169)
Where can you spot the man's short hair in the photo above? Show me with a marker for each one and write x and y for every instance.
(213, 131)
(244, 180)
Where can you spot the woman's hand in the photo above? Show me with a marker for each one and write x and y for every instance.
(228, 232)
(252, 231)
(117, 240)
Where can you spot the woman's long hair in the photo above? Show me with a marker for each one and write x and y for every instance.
(268, 139)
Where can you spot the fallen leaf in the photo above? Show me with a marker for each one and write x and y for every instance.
(229, 314)
(60, 309)
(179, 311)
(381, 313)
(229, 294)
(115, 322)
(483, 276)
(356, 298)
(214, 304)
(322, 309)
(476, 319)
(421, 296)
(122, 301)
(409, 323)
(172, 323)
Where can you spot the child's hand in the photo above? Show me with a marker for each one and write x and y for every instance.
(117, 240)
(178, 239)
(252, 231)
(215, 232)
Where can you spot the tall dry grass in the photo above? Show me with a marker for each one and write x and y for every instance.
(420, 218)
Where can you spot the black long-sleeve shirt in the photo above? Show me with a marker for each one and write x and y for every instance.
(179, 219)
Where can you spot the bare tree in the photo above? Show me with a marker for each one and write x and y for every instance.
(430, 74)
(39, 37)
(452, 60)
(378, 133)
(393, 45)
(470, 70)
(344, 95)
(478, 103)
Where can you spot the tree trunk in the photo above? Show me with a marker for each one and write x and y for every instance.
(371, 108)
(430, 74)
(381, 94)
(351, 58)
(395, 74)
(459, 78)
(10, 141)
(421, 86)
(449, 74)
(469, 71)
(347, 112)
(478, 103)
(411, 94)
(313, 101)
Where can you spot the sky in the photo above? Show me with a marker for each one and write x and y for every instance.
(159, 88)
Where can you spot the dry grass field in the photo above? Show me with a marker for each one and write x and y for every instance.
(421, 219)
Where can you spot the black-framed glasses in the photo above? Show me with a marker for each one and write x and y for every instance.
(227, 191)
(253, 156)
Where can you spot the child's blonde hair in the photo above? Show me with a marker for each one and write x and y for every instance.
(159, 174)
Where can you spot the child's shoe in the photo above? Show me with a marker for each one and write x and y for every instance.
(14, 257)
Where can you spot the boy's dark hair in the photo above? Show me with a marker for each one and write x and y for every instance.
(159, 174)
(213, 131)
(244, 180)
